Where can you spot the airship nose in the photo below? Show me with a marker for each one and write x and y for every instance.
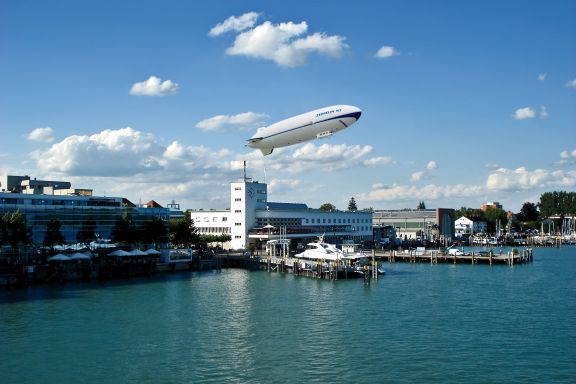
(357, 114)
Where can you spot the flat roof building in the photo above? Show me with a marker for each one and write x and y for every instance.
(252, 219)
(418, 224)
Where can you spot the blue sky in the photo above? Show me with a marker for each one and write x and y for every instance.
(463, 102)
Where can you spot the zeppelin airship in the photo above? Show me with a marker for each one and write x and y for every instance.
(317, 124)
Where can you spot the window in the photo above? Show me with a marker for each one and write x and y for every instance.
(238, 199)
(224, 219)
(237, 224)
(238, 211)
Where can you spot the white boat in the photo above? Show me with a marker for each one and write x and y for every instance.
(328, 252)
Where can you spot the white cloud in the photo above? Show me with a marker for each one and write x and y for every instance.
(524, 113)
(244, 120)
(154, 87)
(571, 84)
(378, 161)
(111, 152)
(417, 176)
(44, 135)
(386, 52)
(284, 185)
(543, 112)
(236, 24)
(309, 157)
(523, 179)
(431, 165)
(281, 43)
(567, 157)
(542, 76)
(410, 193)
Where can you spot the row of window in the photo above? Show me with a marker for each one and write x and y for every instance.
(207, 219)
(60, 202)
(336, 221)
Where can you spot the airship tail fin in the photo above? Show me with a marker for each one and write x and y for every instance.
(266, 151)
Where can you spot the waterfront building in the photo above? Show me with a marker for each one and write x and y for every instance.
(470, 226)
(416, 224)
(252, 219)
(71, 209)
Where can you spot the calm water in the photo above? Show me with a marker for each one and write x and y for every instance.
(420, 323)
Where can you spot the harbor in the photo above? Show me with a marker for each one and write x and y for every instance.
(242, 325)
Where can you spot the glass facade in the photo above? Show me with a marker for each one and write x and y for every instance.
(72, 211)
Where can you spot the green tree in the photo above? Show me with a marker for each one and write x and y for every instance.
(421, 205)
(352, 207)
(124, 231)
(15, 232)
(183, 233)
(154, 231)
(53, 234)
(492, 215)
(87, 232)
(557, 204)
(470, 213)
(327, 207)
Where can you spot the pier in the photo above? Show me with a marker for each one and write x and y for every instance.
(434, 256)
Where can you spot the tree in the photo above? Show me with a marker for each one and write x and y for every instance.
(492, 215)
(528, 212)
(352, 207)
(87, 232)
(53, 235)
(421, 205)
(327, 207)
(154, 231)
(15, 231)
(183, 232)
(470, 213)
(557, 204)
(124, 230)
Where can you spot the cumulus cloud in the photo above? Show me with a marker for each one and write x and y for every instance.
(44, 135)
(327, 157)
(542, 76)
(381, 192)
(417, 176)
(244, 120)
(567, 157)
(386, 52)
(276, 185)
(431, 165)
(524, 113)
(123, 151)
(234, 23)
(571, 84)
(378, 161)
(154, 86)
(284, 43)
(524, 179)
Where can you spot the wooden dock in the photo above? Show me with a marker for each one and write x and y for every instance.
(433, 256)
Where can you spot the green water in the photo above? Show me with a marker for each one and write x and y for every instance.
(420, 323)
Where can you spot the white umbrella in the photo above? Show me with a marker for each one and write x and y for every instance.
(137, 252)
(59, 257)
(152, 251)
(120, 253)
(79, 256)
